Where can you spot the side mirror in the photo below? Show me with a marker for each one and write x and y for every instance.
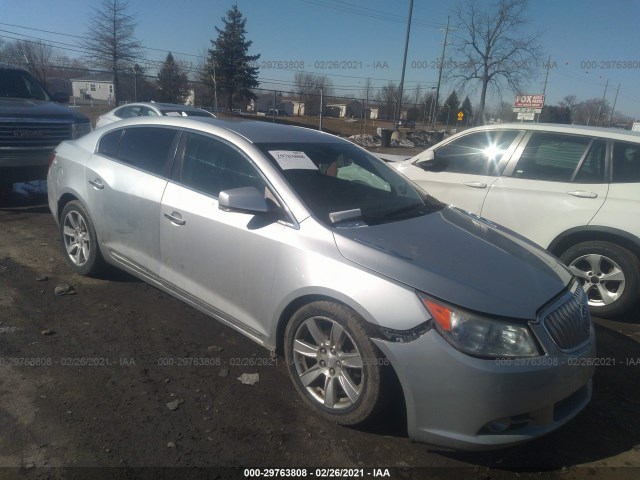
(427, 161)
(243, 200)
(60, 97)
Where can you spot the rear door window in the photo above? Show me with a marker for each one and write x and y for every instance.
(109, 144)
(554, 157)
(626, 162)
(148, 148)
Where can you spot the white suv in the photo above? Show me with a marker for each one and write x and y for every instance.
(573, 190)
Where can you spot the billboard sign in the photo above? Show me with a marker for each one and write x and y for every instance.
(529, 101)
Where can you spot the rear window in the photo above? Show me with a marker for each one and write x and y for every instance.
(626, 162)
(146, 148)
(109, 144)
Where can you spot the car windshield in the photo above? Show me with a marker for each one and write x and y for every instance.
(341, 183)
(19, 84)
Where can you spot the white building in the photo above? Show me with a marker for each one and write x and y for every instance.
(98, 87)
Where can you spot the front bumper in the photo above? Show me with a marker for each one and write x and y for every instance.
(457, 401)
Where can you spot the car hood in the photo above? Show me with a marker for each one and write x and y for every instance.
(38, 109)
(461, 259)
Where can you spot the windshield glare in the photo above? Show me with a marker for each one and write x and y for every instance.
(333, 178)
(18, 84)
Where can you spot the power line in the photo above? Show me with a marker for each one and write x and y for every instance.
(368, 12)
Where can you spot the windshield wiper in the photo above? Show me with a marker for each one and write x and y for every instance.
(344, 215)
(405, 212)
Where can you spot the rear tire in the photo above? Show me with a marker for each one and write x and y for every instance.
(610, 275)
(79, 240)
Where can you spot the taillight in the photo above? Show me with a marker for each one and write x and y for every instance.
(52, 157)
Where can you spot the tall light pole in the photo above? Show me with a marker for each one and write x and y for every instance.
(215, 85)
(404, 61)
(321, 108)
(602, 103)
(615, 100)
(440, 67)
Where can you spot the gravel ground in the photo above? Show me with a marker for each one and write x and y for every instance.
(126, 381)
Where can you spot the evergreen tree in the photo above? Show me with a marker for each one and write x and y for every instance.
(173, 84)
(229, 65)
(467, 109)
(449, 109)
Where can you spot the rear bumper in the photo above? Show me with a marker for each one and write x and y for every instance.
(466, 403)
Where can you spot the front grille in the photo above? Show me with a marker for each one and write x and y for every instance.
(33, 134)
(569, 323)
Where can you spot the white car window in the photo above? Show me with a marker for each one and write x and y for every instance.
(128, 111)
(475, 154)
(626, 162)
(551, 157)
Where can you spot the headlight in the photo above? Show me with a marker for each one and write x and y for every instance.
(80, 129)
(480, 336)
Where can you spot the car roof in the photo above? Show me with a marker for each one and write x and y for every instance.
(163, 106)
(254, 131)
(257, 131)
(613, 133)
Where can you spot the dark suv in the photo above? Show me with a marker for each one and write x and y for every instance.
(32, 124)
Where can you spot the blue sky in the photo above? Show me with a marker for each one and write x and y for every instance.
(580, 36)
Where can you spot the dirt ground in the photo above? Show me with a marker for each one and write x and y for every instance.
(127, 382)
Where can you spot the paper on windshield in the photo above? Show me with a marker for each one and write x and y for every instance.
(290, 160)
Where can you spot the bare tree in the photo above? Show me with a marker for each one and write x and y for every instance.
(367, 89)
(308, 87)
(110, 41)
(570, 101)
(389, 96)
(591, 112)
(492, 48)
(34, 56)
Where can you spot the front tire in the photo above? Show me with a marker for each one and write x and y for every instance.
(79, 240)
(610, 275)
(334, 365)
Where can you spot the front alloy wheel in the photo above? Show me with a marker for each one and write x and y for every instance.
(334, 365)
(328, 363)
(610, 276)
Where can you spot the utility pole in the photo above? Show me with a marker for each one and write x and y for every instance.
(544, 88)
(404, 61)
(614, 105)
(215, 87)
(273, 111)
(602, 103)
(321, 108)
(440, 66)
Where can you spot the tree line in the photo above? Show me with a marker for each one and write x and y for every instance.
(489, 50)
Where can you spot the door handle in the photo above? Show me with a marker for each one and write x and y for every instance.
(97, 184)
(583, 194)
(175, 218)
(475, 184)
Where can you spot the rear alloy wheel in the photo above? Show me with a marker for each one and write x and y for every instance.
(334, 365)
(79, 240)
(609, 274)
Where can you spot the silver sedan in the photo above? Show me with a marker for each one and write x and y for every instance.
(150, 109)
(314, 248)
